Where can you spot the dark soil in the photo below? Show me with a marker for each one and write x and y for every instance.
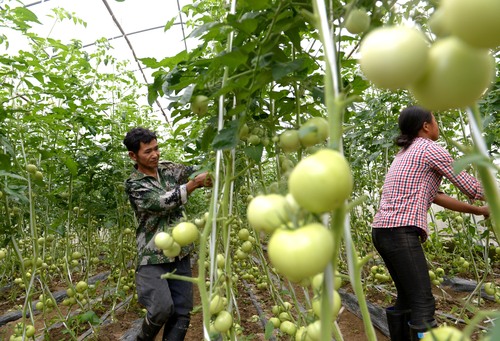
(448, 303)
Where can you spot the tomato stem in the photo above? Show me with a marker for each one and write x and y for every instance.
(486, 173)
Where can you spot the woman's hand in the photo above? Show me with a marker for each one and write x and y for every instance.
(484, 211)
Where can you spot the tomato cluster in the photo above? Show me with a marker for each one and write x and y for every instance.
(451, 73)
(300, 247)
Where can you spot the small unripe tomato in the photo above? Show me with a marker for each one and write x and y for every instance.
(199, 105)
(358, 21)
(223, 321)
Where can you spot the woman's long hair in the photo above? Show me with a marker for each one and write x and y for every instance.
(410, 121)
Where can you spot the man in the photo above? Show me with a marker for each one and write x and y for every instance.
(157, 192)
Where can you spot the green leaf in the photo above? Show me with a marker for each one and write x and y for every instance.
(478, 159)
(231, 59)
(269, 330)
(254, 152)
(495, 333)
(204, 29)
(280, 70)
(152, 92)
(39, 77)
(186, 96)
(168, 62)
(11, 175)
(17, 192)
(5, 162)
(254, 4)
(227, 138)
(59, 81)
(248, 26)
(26, 15)
(169, 24)
(72, 165)
(90, 317)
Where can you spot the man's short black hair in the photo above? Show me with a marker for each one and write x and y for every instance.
(137, 135)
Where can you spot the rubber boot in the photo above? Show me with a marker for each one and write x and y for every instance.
(148, 331)
(417, 332)
(397, 321)
(176, 329)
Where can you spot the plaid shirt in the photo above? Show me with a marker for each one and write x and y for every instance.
(412, 183)
(157, 204)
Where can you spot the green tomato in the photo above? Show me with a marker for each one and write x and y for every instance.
(220, 260)
(438, 24)
(289, 141)
(217, 304)
(284, 316)
(163, 240)
(288, 327)
(445, 333)
(490, 288)
(185, 233)
(267, 212)
(31, 168)
(243, 234)
(382, 277)
(253, 140)
(240, 254)
(223, 321)
(172, 251)
(313, 131)
(301, 253)
(275, 321)
(317, 282)
(244, 131)
(394, 57)
(301, 334)
(314, 331)
(337, 304)
(81, 286)
(321, 182)
(456, 75)
(38, 176)
(476, 22)
(358, 21)
(2, 254)
(247, 246)
(199, 105)
(76, 255)
(199, 222)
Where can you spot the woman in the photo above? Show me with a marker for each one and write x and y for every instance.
(400, 225)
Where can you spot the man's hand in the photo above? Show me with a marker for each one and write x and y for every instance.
(201, 180)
